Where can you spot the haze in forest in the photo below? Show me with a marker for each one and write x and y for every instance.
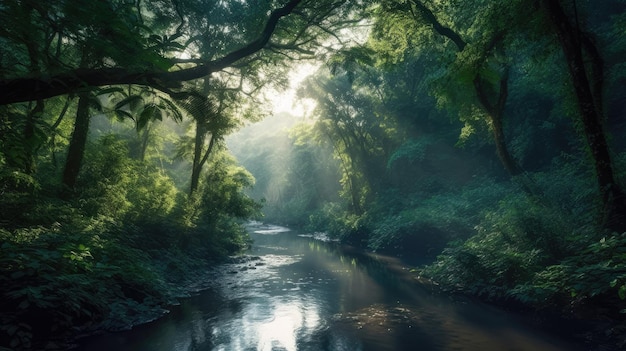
(138, 138)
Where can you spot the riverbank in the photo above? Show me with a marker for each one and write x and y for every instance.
(62, 283)
(577, 293)
(294, 292)
(184, 276)
(522, 255)
(587, 323)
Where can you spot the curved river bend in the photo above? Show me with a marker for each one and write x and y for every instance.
(296, 292)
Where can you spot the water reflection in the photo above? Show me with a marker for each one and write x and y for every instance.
(299, 293)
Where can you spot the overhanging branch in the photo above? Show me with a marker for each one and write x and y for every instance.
(43, 87)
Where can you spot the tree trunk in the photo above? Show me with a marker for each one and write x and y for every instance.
(197, 156)
(31, 145)
(78, 142)
(495, 111)
(199, 159)
(612, 196)
(505, 157)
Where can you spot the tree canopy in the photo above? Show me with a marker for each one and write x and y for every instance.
(63, 46)
(136, 138)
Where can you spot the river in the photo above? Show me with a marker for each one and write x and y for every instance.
(301, 292)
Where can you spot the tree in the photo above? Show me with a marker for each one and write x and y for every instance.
(76, 48)
(136, 51)
(361, 137)
(78, 142)
(211, 120)
(587, 82)
(477, 63)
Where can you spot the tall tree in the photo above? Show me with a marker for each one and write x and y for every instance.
(479, 61)
(78, 142)
(587, 82)
(215, 112)
(361, 137)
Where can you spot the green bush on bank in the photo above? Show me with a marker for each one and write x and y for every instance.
(95, 273)
(433, 220)
(538, 251)
(510, 244)
(418, 223)
(55, 279)
(116, 253)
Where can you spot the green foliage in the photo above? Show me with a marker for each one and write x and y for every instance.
(511, 244)
(338, 222)
(427, 223)
(57, 278)
(17, 189)
(105, 178)
(596, 273)
(537, 251)
(411, 151)
(118, 252)
(152, 195)
(360, 135)
(114, 185)
(222, 194)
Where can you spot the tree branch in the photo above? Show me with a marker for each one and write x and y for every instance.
(429, 16)
(42, 86)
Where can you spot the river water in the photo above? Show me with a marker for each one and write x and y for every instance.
(301, 292)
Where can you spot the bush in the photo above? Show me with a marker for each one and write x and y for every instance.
(512, 243)
(435, 220)
(339, 223)
(596, 273)
(63, 277)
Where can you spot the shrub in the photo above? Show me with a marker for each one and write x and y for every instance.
(58, 278)
(450, 215)
(512, 243)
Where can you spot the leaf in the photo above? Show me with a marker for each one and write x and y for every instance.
(94, 103)
(622, 292)
(131, 101)
(122, 115)
(149, 113)
(109, 90)
(177, 115)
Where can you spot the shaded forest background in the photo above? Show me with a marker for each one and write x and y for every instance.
(484, 137)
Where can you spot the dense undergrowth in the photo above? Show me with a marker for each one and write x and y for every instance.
(541, 250)
(114, 253)
(538, 251)
(94, 274)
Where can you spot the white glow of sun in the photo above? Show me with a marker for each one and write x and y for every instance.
(287, 101)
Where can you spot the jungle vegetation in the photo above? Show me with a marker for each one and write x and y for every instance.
(116, 186)
(486, 136)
